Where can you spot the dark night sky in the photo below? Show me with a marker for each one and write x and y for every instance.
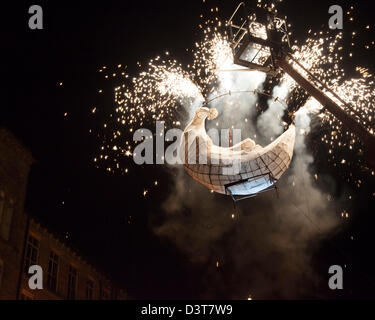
(78, 38)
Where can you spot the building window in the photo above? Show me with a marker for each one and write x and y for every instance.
(32, 252)
(2, 204)
(72, 283)
(1, 271)
(6, 219)
(53, 265)
(89, 289)
(25, 295)
(106, 294)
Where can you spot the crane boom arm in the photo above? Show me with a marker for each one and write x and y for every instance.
(366, 137)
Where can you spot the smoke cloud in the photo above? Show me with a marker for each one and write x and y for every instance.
(269, 123)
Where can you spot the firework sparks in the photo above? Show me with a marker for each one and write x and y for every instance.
(165, 89)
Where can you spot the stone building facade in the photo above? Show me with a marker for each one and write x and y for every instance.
(15, 163)
(24, 242)
(65, 274)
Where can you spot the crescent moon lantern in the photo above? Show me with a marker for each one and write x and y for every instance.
(241, 171)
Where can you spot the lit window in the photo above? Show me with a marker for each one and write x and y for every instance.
(72, 283)
(53, 265)
(89, 289)
(32, 252)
